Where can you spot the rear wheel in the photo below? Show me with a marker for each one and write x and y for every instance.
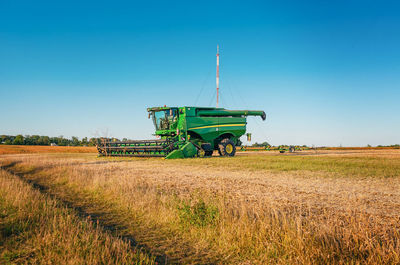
(227, 147)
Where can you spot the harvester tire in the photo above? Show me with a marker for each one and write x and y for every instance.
(227, 147)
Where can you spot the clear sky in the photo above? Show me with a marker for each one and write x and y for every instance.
(325, 72)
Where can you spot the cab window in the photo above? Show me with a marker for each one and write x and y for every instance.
(164, 118)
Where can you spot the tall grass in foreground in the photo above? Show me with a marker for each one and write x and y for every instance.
(38, 230)
(192, 217)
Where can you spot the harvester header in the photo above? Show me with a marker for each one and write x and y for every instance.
(186, 132)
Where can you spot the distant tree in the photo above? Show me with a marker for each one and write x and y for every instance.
(265, 144)
(261, 145)
(35, 139)
(75, 141)
(92, 141)
(7, 139)
(19, 140)
(61, 141)
(45, 140)
(28, 140)
(84, 141)
(54, 140)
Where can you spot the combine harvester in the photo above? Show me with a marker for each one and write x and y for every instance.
(186, 132)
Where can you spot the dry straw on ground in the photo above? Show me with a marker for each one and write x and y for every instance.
(332, 207)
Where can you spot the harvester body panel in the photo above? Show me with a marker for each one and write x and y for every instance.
(210, 129)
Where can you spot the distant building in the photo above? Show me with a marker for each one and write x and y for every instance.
(53, 144)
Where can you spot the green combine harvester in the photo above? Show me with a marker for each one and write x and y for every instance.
(186, 132)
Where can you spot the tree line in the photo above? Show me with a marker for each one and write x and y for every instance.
(46, 140)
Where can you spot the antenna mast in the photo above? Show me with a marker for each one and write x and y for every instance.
(217, 74)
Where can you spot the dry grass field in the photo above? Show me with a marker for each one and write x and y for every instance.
(314, 207)
(25, 149)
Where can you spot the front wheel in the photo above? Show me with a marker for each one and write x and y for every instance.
(227, 147)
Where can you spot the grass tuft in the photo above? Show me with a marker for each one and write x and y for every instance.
(198, 213)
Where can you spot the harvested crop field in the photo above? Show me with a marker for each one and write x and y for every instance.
(313, 207)
(25, 149)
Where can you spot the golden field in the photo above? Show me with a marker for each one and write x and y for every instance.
(310, 207)
(25, 149)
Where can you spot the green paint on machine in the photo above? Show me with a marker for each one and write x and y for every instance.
(186, 132)
(177, 153)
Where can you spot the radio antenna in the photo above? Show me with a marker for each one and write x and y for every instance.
(217, 79)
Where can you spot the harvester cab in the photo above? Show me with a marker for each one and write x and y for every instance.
(165, 120)
(186, 132)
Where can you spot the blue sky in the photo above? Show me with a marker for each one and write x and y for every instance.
(326, 73)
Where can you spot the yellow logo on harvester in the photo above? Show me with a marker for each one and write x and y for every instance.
(216, 126)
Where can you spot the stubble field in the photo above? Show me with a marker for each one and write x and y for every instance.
(325, 207)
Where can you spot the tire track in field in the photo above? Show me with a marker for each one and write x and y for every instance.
(81, 212)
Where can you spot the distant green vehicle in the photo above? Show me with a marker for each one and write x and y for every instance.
(291, 148)
(186, 132)
(280, 148)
